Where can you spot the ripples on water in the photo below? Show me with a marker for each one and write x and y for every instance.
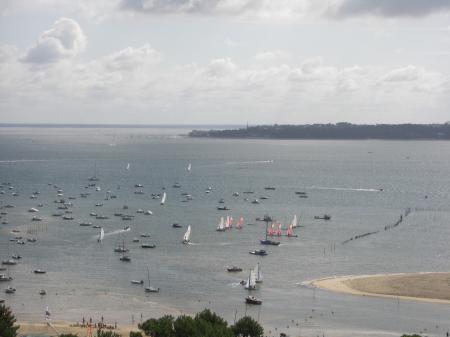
(341, 178)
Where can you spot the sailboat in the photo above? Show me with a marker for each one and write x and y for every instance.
(101, 236)
(128, 167)
(258, 274)
(121, 248)
(251, 280)
(267, 241)
(163, 199)
(189, 167)
(187, 235)
(94, 177)
(294, 222)
(150, 289)
(220, 226)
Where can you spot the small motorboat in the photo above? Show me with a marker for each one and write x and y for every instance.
(234, 269)
(39, 271)
(252, 300)
(176, 225)
(260, 252)
(145, 235)
(4, 278)
(256, 201)
(135, 240)
(125, 259)
(86, 224)
(9, 262)
(322, 217)
(223, 208)
(16, 257)
(269, 242)
(151, 290)
(148, 245)
(31, 239)
(10, 290)
(141, 282)
(42, 292)
(271, 188)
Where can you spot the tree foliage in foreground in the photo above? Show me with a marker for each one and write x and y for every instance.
(68, 335)
(204, 324)
(7, 321)
(247, 327)
(107, 333)
(135, 334)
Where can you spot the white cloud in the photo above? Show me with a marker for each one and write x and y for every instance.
(64, 40)
(406, 74)
(132, 58)
(132, 85)
(220, 68)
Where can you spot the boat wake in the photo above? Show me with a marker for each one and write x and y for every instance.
(22, 160)
(119, 231)
(345, 189)
(249, 162)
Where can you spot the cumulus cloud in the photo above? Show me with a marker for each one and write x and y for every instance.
(220, 68)
(390, 8)
(406, 74)
(131, 58)
(220, 91)
(64, 40)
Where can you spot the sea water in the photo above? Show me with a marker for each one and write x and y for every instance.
(363, 185)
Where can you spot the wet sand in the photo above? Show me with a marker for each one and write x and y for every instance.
(429, 287)
(63, 327)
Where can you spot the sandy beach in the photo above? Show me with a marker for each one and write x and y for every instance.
(429, 287)
(63, 327)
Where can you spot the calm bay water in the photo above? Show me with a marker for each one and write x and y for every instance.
(341, 178)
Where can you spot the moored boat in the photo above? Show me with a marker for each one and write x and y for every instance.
(253, 300)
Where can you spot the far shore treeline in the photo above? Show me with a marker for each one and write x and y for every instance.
(334, 131)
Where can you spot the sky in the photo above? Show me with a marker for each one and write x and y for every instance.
(224, 61)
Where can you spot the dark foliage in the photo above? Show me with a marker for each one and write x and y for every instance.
(248, 327)
(7, 321)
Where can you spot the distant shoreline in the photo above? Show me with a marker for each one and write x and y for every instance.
(339, 131)
(430, 287)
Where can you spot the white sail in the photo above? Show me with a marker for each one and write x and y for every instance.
(163, 199)
(228, 222)
(128, 167)
(221, 227)
(258, 274)
(189, 167)
(187, 235)
(102, 235)
(294, 221)
(251, 280)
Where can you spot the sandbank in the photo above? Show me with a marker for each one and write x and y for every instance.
(429, 287)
